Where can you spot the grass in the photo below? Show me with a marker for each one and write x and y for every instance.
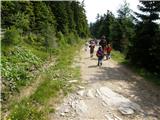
(120, 58)
(36, 107)
(18, 65)
(146, 75)
(41, 54)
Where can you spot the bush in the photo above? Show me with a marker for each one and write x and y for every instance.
(30, 39)
(71, 39)
(11, 37)
(61, 40)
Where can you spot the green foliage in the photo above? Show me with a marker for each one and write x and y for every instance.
(56, 78)
(21, 21)
(80, 19)
(11, 37)
(39, 22)
(72, 39)
(59, 10)
(16, 69)
(45, 28)
(101, 26)
(124, 10)
(118, 30)
(26, 111)
(31, 39)
(61, 39)
(144, 50)
(118, 56)
(17, 14)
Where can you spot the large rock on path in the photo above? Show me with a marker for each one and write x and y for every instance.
(111, 98)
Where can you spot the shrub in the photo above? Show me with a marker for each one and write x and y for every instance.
(11, 37)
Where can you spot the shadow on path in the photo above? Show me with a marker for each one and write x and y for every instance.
(143, 92)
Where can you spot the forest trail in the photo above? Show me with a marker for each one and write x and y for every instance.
(110, 92)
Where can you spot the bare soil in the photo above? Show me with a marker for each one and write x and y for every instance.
(109, 92)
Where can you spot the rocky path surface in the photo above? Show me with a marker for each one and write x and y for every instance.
(110, 92)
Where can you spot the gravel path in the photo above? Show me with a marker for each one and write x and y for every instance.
(110, 92)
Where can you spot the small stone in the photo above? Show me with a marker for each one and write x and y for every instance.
(117, 118)
(126, 110)
(104, 104)
(81, 107)
(132, 96)
(73, 81)
(90, 94)
(81, 87)
(62, 114)
(98, 93)
(81, 92)
(108, 118)
(66, 110)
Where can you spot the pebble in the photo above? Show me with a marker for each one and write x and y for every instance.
(62, 114)
(66, 110)
(126, 110)
(81, 92)
(108, 118)
(90, 94)
(104, 104)
(73, 81)
(81, 87)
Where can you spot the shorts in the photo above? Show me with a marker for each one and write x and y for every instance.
(108, 55)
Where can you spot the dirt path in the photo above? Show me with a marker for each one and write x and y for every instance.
(110, 92)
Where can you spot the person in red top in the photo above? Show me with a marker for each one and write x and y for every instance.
(108, 50)
(105, 51)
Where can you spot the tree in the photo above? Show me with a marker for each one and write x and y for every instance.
(70, 16)
(16, 14)
(126, 27)
(80, 19)
(102, 25)
(60, 13)
(146, 41)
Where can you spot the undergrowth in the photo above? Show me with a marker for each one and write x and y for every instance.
(120, 58)
(18, 65)
(37, 107)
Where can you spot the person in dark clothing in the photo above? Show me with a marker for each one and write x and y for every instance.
(103, 42)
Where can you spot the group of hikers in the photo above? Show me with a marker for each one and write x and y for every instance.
(104, 49)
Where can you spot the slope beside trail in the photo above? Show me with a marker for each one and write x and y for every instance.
(30, 88)
(110, 92)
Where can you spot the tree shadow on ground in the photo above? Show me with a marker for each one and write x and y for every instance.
(143, 92)
(92, 66)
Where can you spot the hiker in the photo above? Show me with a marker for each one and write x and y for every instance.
(105, 51)
(103, 42)
(100, 55)
(92, 46)
(108, 49)
(96, 42)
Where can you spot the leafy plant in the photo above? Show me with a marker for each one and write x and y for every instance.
(11, 37)
(16, 69)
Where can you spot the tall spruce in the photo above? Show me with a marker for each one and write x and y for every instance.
(126, 27)
(144, 51)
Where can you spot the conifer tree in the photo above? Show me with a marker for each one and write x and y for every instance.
(145, 45)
